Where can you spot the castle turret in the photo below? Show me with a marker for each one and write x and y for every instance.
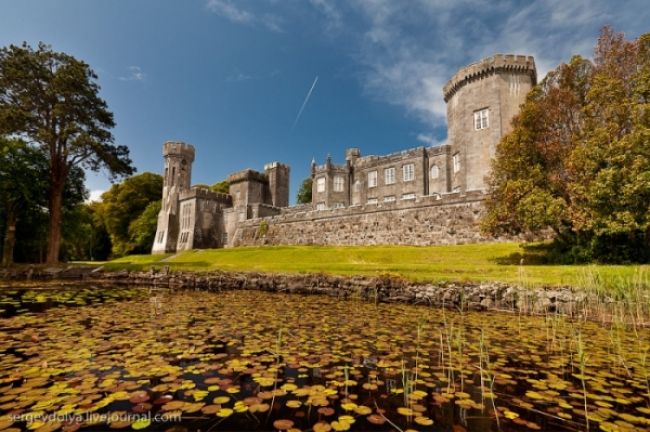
(482, 99)
(177, 179)
(278, 175)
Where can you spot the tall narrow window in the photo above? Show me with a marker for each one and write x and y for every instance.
(338, 183)
(408, 172)
(435, 172)
(456, 160)
(372, 179)
(389, 176)
(173, 175)
(481, 119)
(320, 184)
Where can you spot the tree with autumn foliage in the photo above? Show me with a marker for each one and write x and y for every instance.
(51, 100)
(577, 162)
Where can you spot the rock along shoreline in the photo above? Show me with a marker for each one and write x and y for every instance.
(473, 296)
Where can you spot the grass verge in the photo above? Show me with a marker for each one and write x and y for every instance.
(472, 262)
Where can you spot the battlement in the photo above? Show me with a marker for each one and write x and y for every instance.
(179, 148)
(202, 192)
(275, 164)
(489, 66)
(247, 175)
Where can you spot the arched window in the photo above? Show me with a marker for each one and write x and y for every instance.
(435, 172)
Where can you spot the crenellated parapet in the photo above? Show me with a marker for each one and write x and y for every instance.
(179, 148)
(202, 192)
(247, 175)
(497, 63)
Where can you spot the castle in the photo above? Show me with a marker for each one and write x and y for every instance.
(420, 196)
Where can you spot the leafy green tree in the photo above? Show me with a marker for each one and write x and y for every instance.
(304, 193)
(23, 177)
(84, 233)
(222, 187)
(52, 99)
(123, 203)
(142, 231)
(578, 159)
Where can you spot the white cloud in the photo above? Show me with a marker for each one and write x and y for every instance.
(135, 74)
(239, 77)
(95, 195)
(430, 140)
(333, 16)
(237, 14)
(408, 50)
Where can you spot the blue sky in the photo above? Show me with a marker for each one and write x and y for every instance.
(230, 76)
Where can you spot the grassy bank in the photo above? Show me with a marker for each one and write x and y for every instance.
(476, 262)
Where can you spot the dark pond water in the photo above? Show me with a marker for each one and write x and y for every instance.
(99, 359)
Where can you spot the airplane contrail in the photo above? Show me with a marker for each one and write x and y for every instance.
(304, 104)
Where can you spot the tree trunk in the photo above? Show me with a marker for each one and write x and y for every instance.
(10, 237)
(54, 229)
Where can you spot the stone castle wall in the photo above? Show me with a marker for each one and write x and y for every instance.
(426, 221)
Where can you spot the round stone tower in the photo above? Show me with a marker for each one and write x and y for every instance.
(177, 179)
(482, 99)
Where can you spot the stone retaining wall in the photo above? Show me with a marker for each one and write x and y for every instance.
(427, 221)
(456, 295)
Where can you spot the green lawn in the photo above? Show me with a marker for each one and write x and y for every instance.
(477, 262)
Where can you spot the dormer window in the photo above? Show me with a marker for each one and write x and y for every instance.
(481, 119)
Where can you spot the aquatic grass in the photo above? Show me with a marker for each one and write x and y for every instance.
(314, 349)
(582, 358)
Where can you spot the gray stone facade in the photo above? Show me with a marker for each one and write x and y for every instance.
(419, 196)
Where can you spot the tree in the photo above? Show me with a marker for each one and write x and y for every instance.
(22, 180)
(142, 231)
(578, 159)
(123, 203)
(52, 99)
(222, 187)
(84, 233)
(304, 193)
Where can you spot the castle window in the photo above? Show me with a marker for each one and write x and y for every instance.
(173, 175)
(408, 172)
(435, 172)
(339, 181)
(372, 179)
(321, 206)
(408, 196)
(161, 236)
(389, 198)
(372, 200)
(389, 175)
(320, 184)
(456, 161)
(186, 213)
(339, 205)
(481, 119)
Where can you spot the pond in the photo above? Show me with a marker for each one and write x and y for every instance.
(138, 358)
